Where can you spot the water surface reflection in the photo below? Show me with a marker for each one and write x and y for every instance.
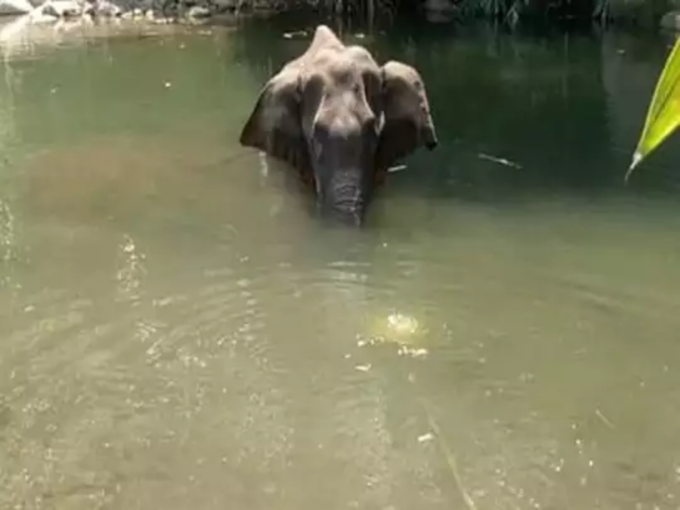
(178, 330)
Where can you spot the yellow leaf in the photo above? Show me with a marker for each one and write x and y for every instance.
(663, 115)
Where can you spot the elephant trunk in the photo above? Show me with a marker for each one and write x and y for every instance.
(345, 195)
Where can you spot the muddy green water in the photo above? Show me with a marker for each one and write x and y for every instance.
(177, 331)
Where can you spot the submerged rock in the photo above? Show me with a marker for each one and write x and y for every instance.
(671, 20)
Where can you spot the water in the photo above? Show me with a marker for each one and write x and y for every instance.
(178, 331)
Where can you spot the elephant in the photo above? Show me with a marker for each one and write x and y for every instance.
(341, 121)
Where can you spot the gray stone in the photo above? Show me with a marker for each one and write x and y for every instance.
(105, 8)
(146, 5)
(671, 20)
(63, 8)
(198, 12)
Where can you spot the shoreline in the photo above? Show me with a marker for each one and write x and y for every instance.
(21, 34)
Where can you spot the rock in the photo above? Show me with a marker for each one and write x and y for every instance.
(146, 5)
(671, 20)
(298, 33)
(63, 8)
(198, 12)
(105, 8)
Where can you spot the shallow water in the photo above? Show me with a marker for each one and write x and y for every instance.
(178, 331)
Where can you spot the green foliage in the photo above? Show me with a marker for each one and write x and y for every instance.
(663, 115)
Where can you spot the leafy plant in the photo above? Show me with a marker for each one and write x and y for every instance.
(663, 114)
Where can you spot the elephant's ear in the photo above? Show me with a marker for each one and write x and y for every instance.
(407, 123)
(274, 126)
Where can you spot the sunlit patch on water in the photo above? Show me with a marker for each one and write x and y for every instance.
(131, 270)
(401, 329)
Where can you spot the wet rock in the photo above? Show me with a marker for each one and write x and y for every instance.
(198, 12)
(123, 8)
(671, 20)
(63, 8)
(147, 5)
(106, 9)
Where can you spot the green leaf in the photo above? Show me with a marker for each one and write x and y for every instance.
(663, 115)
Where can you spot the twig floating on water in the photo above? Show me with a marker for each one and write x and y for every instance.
(604, 419)
(448, 455)
(299, 33)
(501, 161)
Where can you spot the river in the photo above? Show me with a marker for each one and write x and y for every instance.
(177, 330)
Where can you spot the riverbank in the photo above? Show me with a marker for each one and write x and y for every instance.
(149, 9)
(67, 22)
(642, 13)
(56, 21)
(21, 36)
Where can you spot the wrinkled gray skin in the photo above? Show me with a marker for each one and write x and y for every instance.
(341, 120)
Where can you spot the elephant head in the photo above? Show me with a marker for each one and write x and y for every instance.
(341, 120)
